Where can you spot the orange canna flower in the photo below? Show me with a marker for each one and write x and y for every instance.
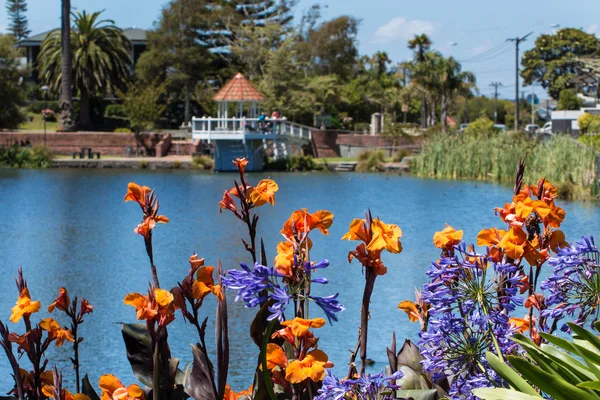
(137, 193)
(61, 302)
(522, 324)
(49, 390)
(525, 207)
(410, 309)
(385, 236)
(56, 332)
(357, 231)
(205, 284)
(276, 357)
(300, 326)
(556, 239)
(196, 262)
(227, 202)
(447, 238)
(231, 395)
(371, 259)
(263, 193)
(148, 309)
(22, 340)
(25, 307)
(555, 217)
(113, 389)
(241, 163)
(490, 237)
(303, 222)
(311, 367)
(148, 224)
(535, 300)
(284, 260)
(86, 307)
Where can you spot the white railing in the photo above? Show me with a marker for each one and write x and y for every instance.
(249, 126)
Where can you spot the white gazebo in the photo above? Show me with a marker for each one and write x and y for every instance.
(241, 92)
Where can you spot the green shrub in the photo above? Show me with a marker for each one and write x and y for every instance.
(568, 100)
(143, 164)
(177, 164)
(592, 141)
(589, 123)
(371, 161)
(301, 163)
(481, 126)
(594, 125)
(115, 110)
(23, 157)
(37, 106)
(399, 155)
(203, 162)
(122, 130)
(560, 159)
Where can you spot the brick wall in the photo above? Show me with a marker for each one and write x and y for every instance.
(325, 143)
(107, 143)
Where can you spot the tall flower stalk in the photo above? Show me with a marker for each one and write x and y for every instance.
(375, 236)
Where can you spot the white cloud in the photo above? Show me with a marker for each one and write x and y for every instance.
(592, 29)
(402, 28)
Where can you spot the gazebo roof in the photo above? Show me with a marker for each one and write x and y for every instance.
(239, 89)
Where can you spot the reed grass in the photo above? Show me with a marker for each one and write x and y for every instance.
(568, 164)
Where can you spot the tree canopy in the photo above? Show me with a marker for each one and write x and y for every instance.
(11, 78)
(555, 59)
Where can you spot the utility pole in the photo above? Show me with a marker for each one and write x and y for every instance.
(495, 85)
(517, 41)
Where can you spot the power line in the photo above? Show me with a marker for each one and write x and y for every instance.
(484, 53)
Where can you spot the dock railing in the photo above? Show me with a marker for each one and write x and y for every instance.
(248, 126)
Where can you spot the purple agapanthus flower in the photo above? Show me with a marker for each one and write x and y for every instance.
(367, 387)
(469, 298)
(255, 286)
(575, 283)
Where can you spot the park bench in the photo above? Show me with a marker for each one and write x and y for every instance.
(88, 150)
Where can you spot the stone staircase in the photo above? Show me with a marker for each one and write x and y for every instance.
(346, 166)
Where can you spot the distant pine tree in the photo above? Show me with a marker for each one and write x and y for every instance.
(18, 20)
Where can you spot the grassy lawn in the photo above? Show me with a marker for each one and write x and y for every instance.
(37, 124)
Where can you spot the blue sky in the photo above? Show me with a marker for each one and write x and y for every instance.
(475, 26)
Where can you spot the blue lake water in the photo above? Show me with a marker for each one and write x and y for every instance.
(71, 228)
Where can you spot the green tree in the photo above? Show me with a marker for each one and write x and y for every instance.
(179, 55)
(16, 10)
(453, 82)
(329, 48)
(102, 63)
(67, 111)
(568, 100)
(11, 93)
(141, 105)
(324, 91)
(553, 62)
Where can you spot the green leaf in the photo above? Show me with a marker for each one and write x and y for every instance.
(551, 384)
(586, 335)
(509, 375)
(429, 394)
(502, 394)
(201, 385)
(590, 385)
(568, 362)
(88, 389)
(139, 351)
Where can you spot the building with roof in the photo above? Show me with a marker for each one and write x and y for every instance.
(246, 133)
(33, 44)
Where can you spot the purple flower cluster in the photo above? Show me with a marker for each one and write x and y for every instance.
(367, 387)
(469, 298)
(575, 283)
(255, 286)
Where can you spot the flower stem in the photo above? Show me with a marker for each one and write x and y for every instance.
(263, 360)
(364, 317)
(155, 372)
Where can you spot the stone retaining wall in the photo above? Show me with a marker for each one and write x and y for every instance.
(107, 143)
(329, 144)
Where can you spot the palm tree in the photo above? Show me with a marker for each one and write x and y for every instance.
(421, 44)
(453, 81)
(426, 81)
(102, 62)
(323, 90)
(67, 119)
